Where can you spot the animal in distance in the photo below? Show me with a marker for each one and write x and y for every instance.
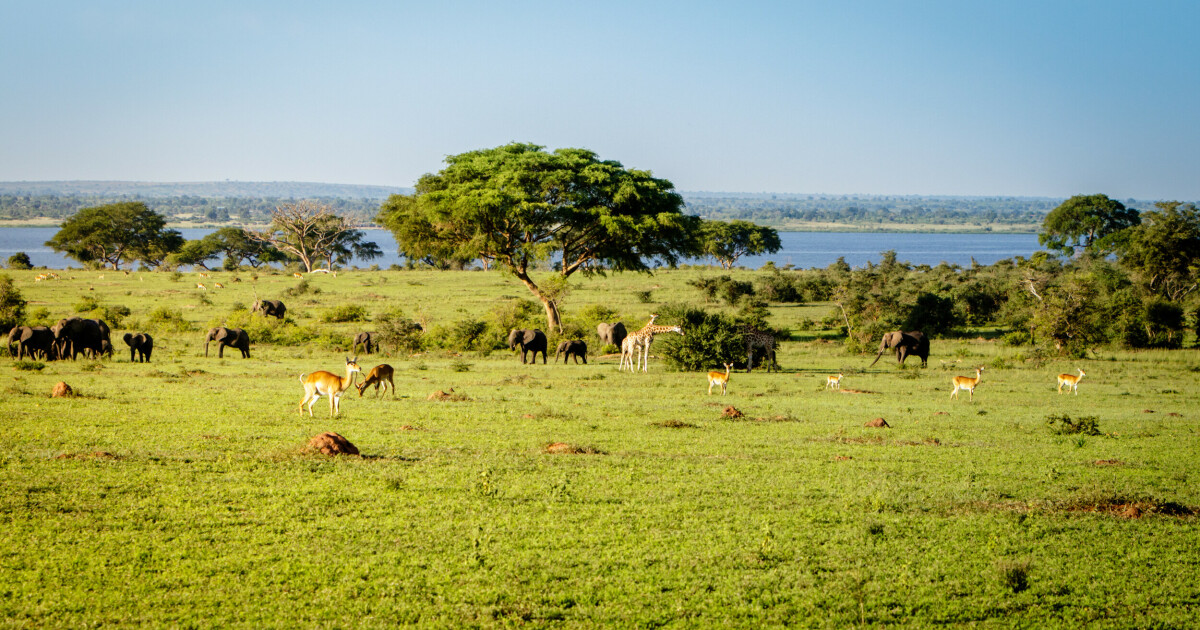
(322, 383)
(1071, 381)
(758, 339)
(200, 285)
(834, 381)
(717, 378)
(967, 383)
(379, 375)
(629, 349)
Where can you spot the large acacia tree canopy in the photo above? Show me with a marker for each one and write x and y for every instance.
(113, 233)
(518, 204)
(1094, 222)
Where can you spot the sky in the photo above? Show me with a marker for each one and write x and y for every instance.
(1039, 98)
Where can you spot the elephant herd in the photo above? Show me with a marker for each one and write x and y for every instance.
(71, 337)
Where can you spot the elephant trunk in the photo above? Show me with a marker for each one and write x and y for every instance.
(206, 346)
(877, 357)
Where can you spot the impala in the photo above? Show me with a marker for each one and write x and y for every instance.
(834, 381)
(218, 285)
(200, 285)
(322, 383)
(967, 383)
(379, 375)
(297, 275)
(1071, 381)
(717, 378)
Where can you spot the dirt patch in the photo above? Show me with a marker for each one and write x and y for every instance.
(62, 390)
(675, 424)
(448, 396)
(847, 390)
(331, 443)
(732, 412)
(95, 455)
(562, 448)
(941, 413)
(1147, 411)
(1127, 507)
(409, 427)
(1175, 415)
(878, 423)
(1108, 462)
(842, 458)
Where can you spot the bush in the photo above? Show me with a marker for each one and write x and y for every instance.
(931, 314)
(398, 332)
(467, 334)
(165, 320)
(20, 260)
(709, 339)
(345, 313)
(724, 287)
(1017, 338)
(283, 332)
(12, 304)
(644, 297)
(1064, 425)
(779, 287)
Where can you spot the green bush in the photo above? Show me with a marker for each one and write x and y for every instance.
(399, 333)
(12, 304)
(1064, 425)
(709, 339)
(166, 320)
(345, 313)
(779, 287)
(269, 330)
(724, 287)
(20, 260)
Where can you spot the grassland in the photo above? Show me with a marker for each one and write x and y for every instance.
(178, 493)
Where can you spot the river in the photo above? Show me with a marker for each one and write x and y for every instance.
(801, 249)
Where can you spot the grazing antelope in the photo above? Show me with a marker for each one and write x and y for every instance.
(834, 382)
(218, 285)
(200, 285)
(379, 375)
(297, 275)
(1071, 381)
(717, 378)
(967, 383)
(203, 275)
(322, 383)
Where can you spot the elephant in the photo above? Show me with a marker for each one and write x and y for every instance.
(232, 337)
(74, 335)
(530, 341)
(369, 341)
(574, 347)
(32, 340)
(905, 343)
(611, 333)
(269, 308)
(141, 344)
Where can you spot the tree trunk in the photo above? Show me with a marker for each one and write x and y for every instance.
(553, 320)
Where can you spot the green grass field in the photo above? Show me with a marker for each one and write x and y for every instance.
(179, 493)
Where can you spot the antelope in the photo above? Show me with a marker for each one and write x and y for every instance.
(1071, 381)
(379, 375)
(967, 383)
(203, 275)
(322, 383)
(200, 285)
(834, 382)
(297, 275)
(717, 378)
(218, 286)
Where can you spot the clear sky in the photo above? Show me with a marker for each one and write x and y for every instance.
(958, 97)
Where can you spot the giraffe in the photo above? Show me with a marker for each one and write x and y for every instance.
(645, 337)
(631, 345)
(758, 339)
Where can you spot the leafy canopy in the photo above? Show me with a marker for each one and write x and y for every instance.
(727, 241)
(1092, 222)
(116, 233)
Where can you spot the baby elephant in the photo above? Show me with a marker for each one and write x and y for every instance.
(574, 347)
(140, 345)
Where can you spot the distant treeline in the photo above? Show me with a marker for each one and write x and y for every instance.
(782, 209)
(199, 209)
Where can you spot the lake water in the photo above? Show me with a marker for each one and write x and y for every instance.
(802, 249)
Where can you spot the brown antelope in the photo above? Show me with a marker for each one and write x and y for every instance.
(379, 375)
(203, 275)
(200, 285)
(834, 382)
(717, 378)
(322, 383)
(967, 383)
(1071, 381)
(297, 275)
(218, 285)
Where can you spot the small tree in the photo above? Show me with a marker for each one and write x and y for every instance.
(12, 305)
(1092, 222)
(238, 247)
(727, 241)
(1164, 250)
(116, 233)
(20, 260)
(196, 253)
(310, 232)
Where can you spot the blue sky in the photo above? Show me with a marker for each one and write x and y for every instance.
(972, 98)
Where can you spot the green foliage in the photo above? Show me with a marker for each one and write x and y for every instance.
(20, 260)
(345, 313)
(164, 319)
(115, 234)
(12, 304)
(727, 241)
(779, 287)
(86, 303)
(28, 366)
(309, 232)
(301, 288)
(709, 339)
(931, 314)
(723, 287)
(397, 332)
(1164, 249)
(1094, 223)
(268, 330)
(644, 297)
(1062, 424)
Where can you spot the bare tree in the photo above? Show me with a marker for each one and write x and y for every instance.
(309, 232)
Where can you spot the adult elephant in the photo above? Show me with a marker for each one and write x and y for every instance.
(74, 335)
(530, 341)
(140, 345)
(369, 341)
(611, 333)
(14, 340)
(270, 308)
(232, 337)
(32, 340)
(913, 343)
(575, 347)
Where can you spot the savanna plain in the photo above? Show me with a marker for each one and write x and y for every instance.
(179, 492)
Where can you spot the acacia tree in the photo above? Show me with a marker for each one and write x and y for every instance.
(1092, 222)
(518, 207)
(116, 233)
(1164, 250)
(309, 232)
(727, 241)
(237, 246)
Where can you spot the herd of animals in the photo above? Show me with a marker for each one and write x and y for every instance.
(73, 336)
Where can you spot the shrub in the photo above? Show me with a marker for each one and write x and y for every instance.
(725, 287)
(644, 297)
(12, 304)
(345, 313)
(709, 339)
(779, 287)
(28, 366)
(20, 260)
(1064, 425)
(166, 320)
(466, 334)
(1017, 338)
(931, 314)
(85, 304)
(398, 332)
